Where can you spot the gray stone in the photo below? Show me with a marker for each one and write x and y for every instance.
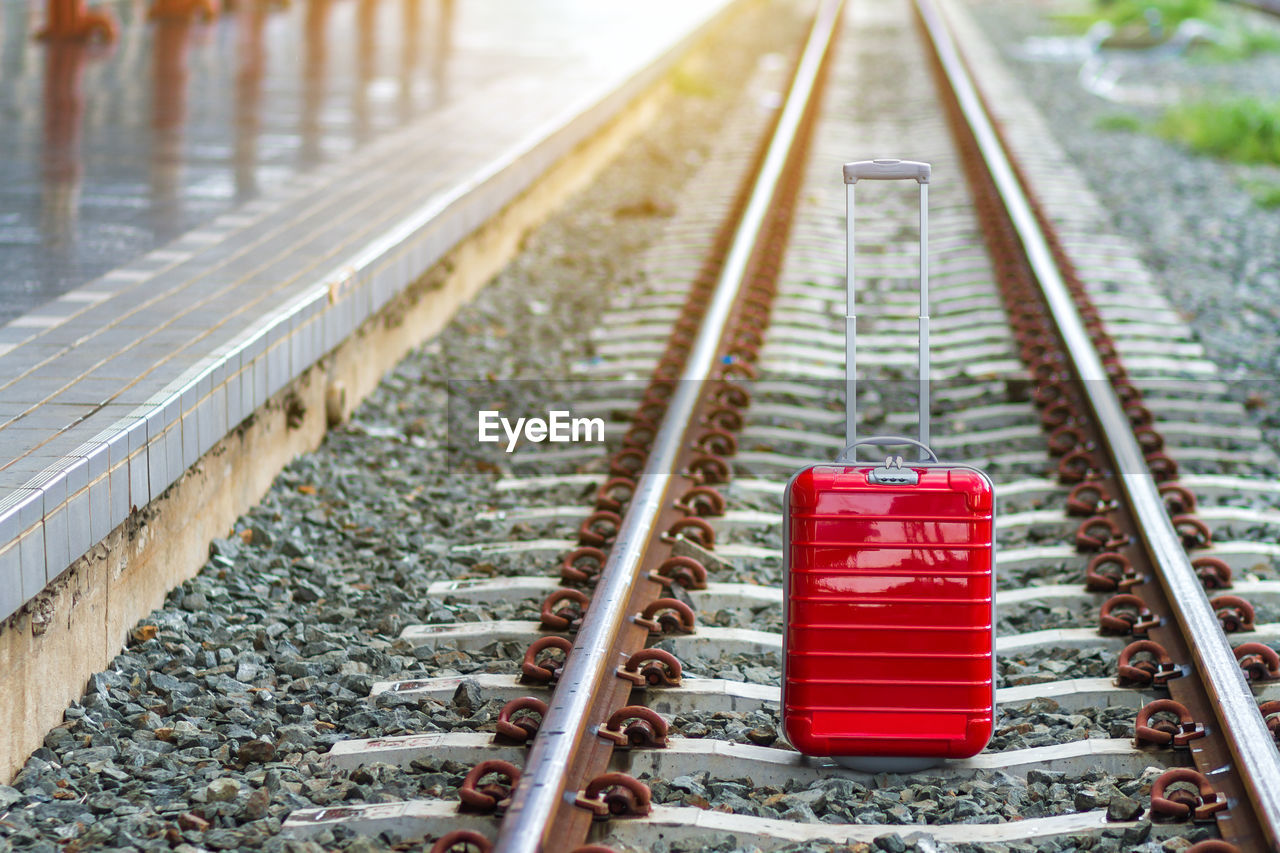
(195, 601)
(891, 842)
(91, 754)
(468, 697)
(186, 732)
(9, 796)
(900, 814)
(800, 813)
(1088, 798)
(1138, 833)
(223, 683)
(924, 843)
(814, 798)
(101, 682)
(390, 624)
(255, 806)
(362, 844)
(59, 738)
(228, 548)
(689, 784)
(296, 735)
(261, 537)
(222, 790)
(257, 751)
(292, 548)
(1123, 808)
(301, 669)
(1046, 777)
(306, 593)
(164, 684)
(224, 839)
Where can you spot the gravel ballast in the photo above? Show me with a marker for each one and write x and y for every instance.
(211, 726)
(1209, 244)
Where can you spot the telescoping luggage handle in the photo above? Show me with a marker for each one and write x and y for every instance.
(885, 170)
(891, 473)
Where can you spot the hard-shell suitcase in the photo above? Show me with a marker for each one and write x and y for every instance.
(888, 659)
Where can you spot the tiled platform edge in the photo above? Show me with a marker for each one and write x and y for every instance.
(110, 393)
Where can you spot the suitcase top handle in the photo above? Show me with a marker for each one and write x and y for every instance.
(886, 170)
(850, 453)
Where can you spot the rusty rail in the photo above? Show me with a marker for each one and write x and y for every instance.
(1132, 461)
(551, 785)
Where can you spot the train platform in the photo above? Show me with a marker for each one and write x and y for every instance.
(194, 216)
(355, 623)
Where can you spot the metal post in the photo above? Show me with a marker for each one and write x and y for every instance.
(850, 334)
(924, 319)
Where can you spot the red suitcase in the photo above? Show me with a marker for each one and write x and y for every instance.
(889, 650)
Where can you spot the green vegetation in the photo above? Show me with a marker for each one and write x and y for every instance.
(1241, 43)
(1266, 194)
(1119, 121)
(1260, 41)
(1172, 12)
(1133, 13)
(1131, 19)
(1246, 130)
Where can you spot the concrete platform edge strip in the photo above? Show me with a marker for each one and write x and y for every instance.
(80, 621)
(65, 510)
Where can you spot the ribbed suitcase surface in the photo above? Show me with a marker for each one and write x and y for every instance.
(890, 635)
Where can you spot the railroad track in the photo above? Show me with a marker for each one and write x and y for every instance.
(682, 525)
(686, 527)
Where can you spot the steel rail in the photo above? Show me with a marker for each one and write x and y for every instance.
(1248, 739)
(544, 786)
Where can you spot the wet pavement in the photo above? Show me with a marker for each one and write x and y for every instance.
(113, 150)
(194, 216)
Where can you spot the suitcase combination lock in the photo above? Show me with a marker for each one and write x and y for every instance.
(891, 473)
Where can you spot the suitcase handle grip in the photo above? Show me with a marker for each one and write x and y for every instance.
(886, 170)
(850, 453)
